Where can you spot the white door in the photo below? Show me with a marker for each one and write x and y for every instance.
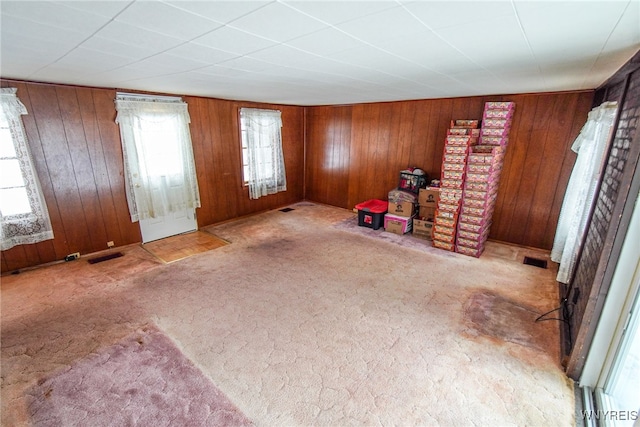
(170, 225)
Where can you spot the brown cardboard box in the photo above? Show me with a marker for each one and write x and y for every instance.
(428, 197)
(401, 209)
(427, 213)
(397, 224)
(422, 229)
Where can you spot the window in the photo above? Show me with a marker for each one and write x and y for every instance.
(23, 213)
(160, 174)
(262, 158)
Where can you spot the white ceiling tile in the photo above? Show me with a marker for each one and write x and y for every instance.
(277, 22)
(246, 63)
(373, 28)
(382, 50)
(325, 42)
(371, 57)
(430, 51)
(40, 49)
(131, 34)
(201, 53)
(442, 14)
(63, 73)
(13, 28)
(284, 55)
(162, 18)
(627, 30)
(490, 43)
(52, 14)
(18, 61)
(123, 48)
(335, 12)
(94, 61)
(219, 10)
(108, 8)
(233, 40)
(134, 72)
(171, 63)
(547, 30)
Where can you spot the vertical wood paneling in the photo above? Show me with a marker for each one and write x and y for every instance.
(530, 168)
(535, 173)
(549, 169)
(49, 249)
(105, 201)
(584, 103)
(75, 144)
(328, 130)
(82, 167)
(44, 102)
(353, 153)
(103, 101)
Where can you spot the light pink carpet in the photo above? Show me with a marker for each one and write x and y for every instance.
(143, 380)
(300, 323)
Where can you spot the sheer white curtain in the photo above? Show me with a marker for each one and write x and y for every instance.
(574, 215)
(23, 212)
(261, 131)
(160, 173)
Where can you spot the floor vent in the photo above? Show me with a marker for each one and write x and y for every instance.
(535, 262)
(105, 258)
(286, 210)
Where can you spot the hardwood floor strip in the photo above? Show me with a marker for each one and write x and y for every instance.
(183, 246)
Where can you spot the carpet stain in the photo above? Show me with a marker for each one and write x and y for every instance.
(271, 245)
(495, 316)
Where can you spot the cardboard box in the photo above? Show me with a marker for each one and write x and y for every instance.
(397, 224)
(428, 197)
(422, 229)
(444, 245)
(426, 213)
(474, 252)
(468, 123)
(401, 209)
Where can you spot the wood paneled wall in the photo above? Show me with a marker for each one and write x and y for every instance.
(75, 144)
(354, 153)
(338, 155)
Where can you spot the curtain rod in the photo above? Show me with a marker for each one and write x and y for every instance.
(150, 98)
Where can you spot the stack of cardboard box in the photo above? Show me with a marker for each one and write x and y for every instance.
(482, 174)
(460, 136)
(400, 211)
(427, 202)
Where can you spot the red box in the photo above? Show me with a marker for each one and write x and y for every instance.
(452, 183)
(473, 219)
(461, 140)
(454, 158)
(496, 123)
(456, 149)
(495, 131)
(444, 245)
(499, 105)
(473, 228)
(471, 124)
(371, 213)
(470, 251)
(494, 140)
(450, 195)
(497, 114)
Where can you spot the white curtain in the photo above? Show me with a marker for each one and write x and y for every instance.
(574, 215)
(24, 214)
(160, 174)
(262, 133)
